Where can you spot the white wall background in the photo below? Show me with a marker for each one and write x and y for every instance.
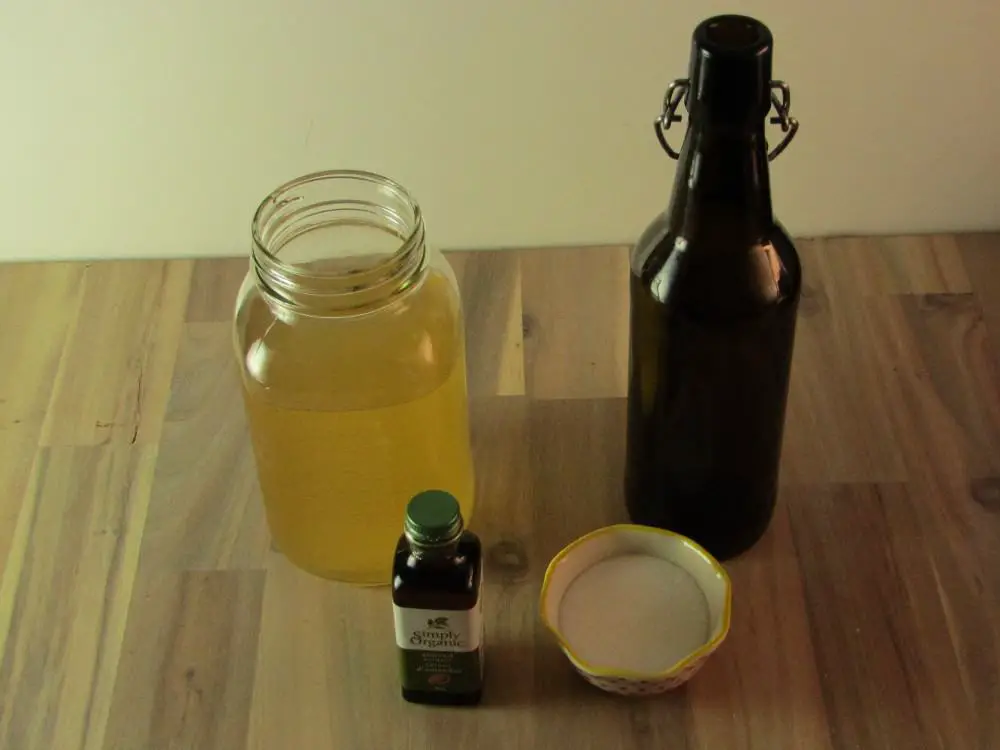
(142, 128)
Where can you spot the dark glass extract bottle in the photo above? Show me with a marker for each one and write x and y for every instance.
(437, 606)
(715, 284)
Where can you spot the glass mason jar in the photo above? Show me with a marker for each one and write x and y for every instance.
(348, 330)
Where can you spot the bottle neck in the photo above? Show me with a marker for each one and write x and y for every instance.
(437, 549)
(440, 554)
(722, 184)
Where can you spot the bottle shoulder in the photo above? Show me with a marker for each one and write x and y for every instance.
(718, 267)
(450, 582)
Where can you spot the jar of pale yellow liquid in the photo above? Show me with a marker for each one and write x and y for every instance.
(349, 333)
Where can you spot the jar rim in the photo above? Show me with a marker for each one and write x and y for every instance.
(278, 198)
(285, 214)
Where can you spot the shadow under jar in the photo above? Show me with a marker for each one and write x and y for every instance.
(349, 334)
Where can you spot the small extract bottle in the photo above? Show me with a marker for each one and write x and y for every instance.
(437, 605)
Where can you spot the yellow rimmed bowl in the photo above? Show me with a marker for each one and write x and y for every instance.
(631, 539)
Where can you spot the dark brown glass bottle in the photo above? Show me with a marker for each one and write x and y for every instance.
(437, 607)
(715, 284)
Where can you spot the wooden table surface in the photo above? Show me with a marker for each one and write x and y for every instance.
(141, 606)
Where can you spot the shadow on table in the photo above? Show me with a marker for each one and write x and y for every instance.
(529, 673)
(538, 674)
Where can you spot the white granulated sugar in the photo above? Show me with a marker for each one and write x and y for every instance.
(634, 612)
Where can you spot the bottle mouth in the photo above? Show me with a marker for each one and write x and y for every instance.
(338, 239)
(733, 34)
(730, 71)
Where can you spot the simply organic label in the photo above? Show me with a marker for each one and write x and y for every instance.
(440, 649)
(438, 630)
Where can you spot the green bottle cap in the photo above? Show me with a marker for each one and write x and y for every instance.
(433, 519)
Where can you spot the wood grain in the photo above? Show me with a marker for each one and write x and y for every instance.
(853, 267)
(575, 322)
(141, 607)
(890, 626)
(490, 283)
(980, 256)
(214, 285)
(831, 433)
(17, 457)
(66, 592)
(206, 512)
(772, 692)
(47, 295)
(187, 672)
(113, 380)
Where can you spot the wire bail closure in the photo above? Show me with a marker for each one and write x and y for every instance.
(677, 91)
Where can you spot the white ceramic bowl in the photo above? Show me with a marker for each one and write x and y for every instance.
(629, 539)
